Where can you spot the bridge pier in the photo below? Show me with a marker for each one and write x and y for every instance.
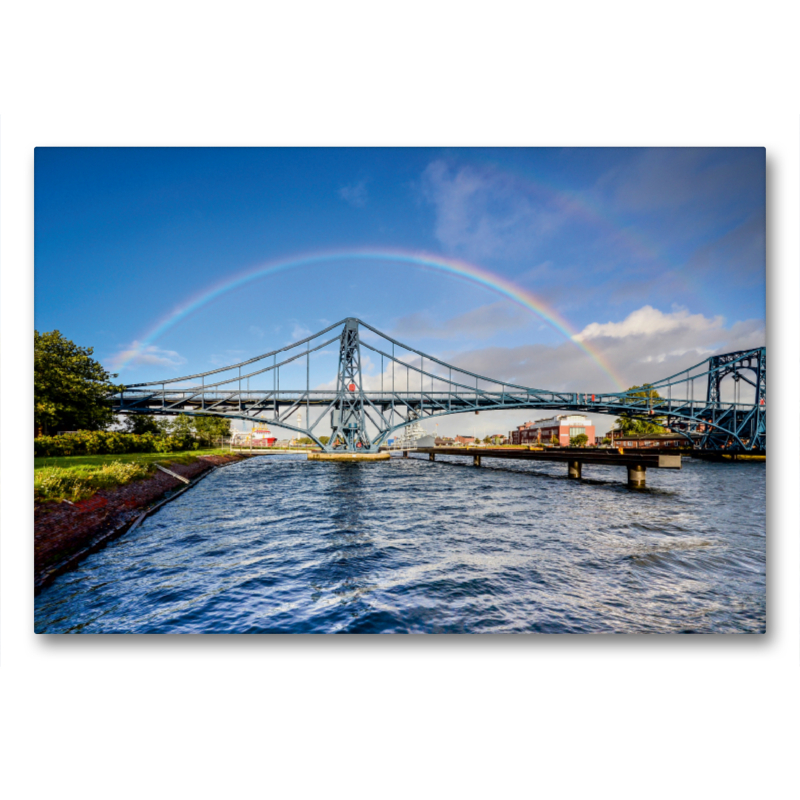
(431, 456)
(636, 476)
(476, 461)
(405, 453)
(574, 469)
(347, 456)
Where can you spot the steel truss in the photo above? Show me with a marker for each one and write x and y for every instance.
(366, 409)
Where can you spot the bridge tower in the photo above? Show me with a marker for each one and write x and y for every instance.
(751, 424)
(348, 420)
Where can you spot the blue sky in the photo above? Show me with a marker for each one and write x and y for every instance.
(656, 257)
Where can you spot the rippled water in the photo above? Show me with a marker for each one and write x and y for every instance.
(280, 544)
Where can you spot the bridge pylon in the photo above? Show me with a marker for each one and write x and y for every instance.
(348, 419)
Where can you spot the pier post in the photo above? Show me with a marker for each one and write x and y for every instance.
(574, 469)
(405, 453)
(431, 456)
(476, 461)
(636, 477)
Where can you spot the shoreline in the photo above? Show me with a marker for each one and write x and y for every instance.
(64, 536)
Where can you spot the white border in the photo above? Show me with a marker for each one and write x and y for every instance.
(457, 716)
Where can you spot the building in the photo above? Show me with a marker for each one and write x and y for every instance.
(563, 427)
(463, 440)
(649, 440)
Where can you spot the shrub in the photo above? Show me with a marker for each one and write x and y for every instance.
(90, 443)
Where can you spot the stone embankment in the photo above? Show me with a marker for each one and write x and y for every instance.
(64, 534)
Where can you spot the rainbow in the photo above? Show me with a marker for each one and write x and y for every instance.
(426, 261)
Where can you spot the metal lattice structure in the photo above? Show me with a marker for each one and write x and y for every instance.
(366, 409)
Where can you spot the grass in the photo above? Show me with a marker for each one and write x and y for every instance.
(77, 477)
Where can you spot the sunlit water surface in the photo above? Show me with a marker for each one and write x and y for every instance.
(280, 544)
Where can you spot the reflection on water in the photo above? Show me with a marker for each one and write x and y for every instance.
(280, 544)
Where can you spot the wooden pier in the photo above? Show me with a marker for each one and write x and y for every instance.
(636, 463)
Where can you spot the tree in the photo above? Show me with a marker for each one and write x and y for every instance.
(208, 428)
(142, 423)
(554, 439)
(70, 388)
(635, 424)
(324, 439)
(581, 440)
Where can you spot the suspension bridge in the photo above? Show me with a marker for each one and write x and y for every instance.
(719, 405)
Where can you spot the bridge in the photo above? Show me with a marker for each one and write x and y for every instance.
(719, 405)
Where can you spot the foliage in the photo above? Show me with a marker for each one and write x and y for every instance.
(104, 442)
(636, 424)
(142, 423)
(554, 439)
(581, 440)
(208, 428)
(70, 388)
(324, 439)
(305, 440)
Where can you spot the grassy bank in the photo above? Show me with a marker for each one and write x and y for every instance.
(77, 477)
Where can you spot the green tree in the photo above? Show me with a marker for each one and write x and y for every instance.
(581, 440)
(208, 428)
(554, 439)
(141, 423)
(181, 426)
(70, 388)
(324, 439)
(634, 424)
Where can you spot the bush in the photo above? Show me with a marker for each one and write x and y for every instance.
(90, 443)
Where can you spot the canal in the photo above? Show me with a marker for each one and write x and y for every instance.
(280, 544)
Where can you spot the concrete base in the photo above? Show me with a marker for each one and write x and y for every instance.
(349, 456)
(636, 477)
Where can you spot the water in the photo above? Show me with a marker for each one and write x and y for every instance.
(280, 544)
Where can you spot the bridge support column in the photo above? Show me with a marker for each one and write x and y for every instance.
(636, 477)
(431, 456)
(574, 469)
(476, 461)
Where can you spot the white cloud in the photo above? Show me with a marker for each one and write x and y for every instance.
(355, 194)
(480, 214)
(647, 321)
(478, 323)
(646, 346)
(148, 355)
(227, 357)
(300, 332)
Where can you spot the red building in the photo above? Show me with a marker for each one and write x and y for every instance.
(563, 427)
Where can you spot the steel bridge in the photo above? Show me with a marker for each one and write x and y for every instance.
(718, 404)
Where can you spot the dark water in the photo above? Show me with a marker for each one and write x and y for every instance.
(280, 544)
